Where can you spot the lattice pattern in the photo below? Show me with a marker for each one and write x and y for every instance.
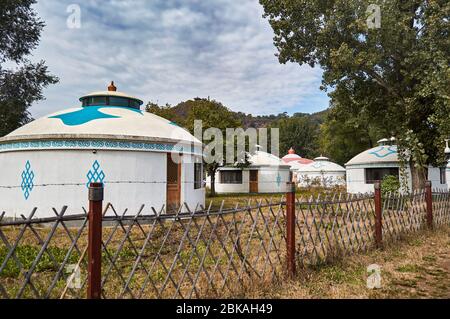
(191, 254)
(403, 214)
(196, 254)
(441, 208)
(333, 225)
(34, 254)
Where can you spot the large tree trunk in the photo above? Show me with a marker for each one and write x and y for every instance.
(418, 177)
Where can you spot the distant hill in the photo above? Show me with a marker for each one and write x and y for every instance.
(182, 109)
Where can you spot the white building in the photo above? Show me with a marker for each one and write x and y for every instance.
(321, 172)
(295, 161)
(373, 164)
(266, 174)
(51, 161)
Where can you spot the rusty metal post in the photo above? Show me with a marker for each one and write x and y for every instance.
(95, 241)
(378, 216)
(290, 228)
(429, 200)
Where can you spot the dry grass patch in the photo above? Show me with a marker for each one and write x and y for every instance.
(417, 267)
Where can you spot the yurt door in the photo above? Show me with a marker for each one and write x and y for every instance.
(253, 181)
(173, 184)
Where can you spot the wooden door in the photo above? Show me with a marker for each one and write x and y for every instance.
(253, 181)
(173, 184)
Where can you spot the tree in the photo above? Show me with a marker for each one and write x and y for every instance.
(397, 75)
(20, 29)
(342, 136)
(300, 133)
(212, 114)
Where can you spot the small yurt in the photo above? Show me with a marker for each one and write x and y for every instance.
(295, 162)
(266, 174)
(322, 172)
(141, 158)
(375, 163)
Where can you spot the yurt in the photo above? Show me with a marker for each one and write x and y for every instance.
(141, 158)
(266, 174)
(295, 162)
(321, 172)
(375, 163)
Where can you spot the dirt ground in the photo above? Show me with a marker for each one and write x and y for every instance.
(416, 267)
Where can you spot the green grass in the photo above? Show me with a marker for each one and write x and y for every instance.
(26, 254)
(409, 268)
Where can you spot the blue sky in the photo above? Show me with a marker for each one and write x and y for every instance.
(167, 51)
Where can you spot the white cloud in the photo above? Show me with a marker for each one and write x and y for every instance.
(170, 51)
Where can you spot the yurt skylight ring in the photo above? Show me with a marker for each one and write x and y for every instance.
(110, 98)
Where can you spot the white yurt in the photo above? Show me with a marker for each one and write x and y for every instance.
(266, 174)
(321, 172)
(141, 158)
(295, 161)
(375, 163)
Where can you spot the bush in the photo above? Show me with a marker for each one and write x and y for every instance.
(390, 183)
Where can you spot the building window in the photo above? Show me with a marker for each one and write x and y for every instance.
(230, 177)
(198, 175)
(443, 178)
(377, 174)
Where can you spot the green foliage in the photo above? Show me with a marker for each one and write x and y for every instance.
(390, 184)
(300, 133)
(393, 79)
(20, 29)
(26, 254)
(343, 136)
(212, 114)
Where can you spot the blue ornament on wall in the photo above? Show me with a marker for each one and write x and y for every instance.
(279, 179)
(95, 174)
(27, 184)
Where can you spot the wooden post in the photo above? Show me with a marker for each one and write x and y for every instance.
(378, 216)
(290, 228)
(95, 241)
(429, 200)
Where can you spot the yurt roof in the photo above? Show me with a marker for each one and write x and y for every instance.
(379, 154)
(291, 156)
(261, 158)
(321, 164)
(103, 122)
(300, 163)
(294, 159)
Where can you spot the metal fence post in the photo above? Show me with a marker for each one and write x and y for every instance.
(429, 200)
(95, 241)
(378, 216)
(290, 228)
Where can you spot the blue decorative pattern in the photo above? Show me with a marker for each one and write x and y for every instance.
(384, 151)
(95, 174)
(89, 113)
(279, 179)
(318, 164)
(99, 144)
(27, 180)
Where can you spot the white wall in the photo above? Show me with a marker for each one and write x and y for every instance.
(268, 181)
(356, 180)
(70, 167)
(326, 179)
(191, 196)
(233, 188)
(434, 175)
